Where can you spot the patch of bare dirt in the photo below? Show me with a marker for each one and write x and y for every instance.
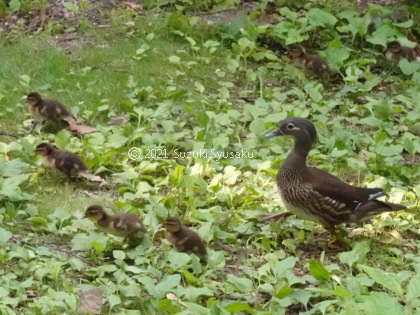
(63, 18)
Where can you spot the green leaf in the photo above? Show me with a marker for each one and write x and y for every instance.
(282, 266)
(406, 24)
(5, 235)
(357, 254)
(14, 167)
(385, 279)
(71, 6)
(62, 139)
(169, 306)
(118, 254)
(341, 292)
(381, 303)
(116, 141)
(189, 276)
(237, 307)
(284, 291)
(314, 90)
(318, 270)
(192, 293)
(168, 283)
(174, 59)
(257, 127)
(9, 187)
(242, 284)
(413, 288)
(113, 300)
(320, 17)
(178, 260)
(407, 67)
(14, 5)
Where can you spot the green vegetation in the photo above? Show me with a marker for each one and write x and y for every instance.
(189, 84)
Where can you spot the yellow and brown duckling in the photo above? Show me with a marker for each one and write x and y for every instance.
(183, 239)
(45, 109)
(312, 63)
(65, 161)
(127, 225)
(315, 195)
(395, 51)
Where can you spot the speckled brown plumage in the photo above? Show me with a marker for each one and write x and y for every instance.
(44, 109)
(65, 161)
(127, 225)
(394, 51)
(315, 195)
(312, 63)
(183, 239)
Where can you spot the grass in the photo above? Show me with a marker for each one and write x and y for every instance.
(95, 81)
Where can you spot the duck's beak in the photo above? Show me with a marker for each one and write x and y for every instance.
(274, 133)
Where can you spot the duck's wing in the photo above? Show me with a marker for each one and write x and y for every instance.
(335, 189)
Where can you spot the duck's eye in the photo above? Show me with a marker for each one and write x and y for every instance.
(290, 126)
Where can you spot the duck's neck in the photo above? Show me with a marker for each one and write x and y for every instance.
(301, 148)
(104, 220)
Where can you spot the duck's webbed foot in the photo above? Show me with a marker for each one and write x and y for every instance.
(278, 217)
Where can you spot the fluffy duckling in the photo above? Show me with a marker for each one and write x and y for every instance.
(127, 225)
(312, 63)
(183, 239)
(394, 51)
(65, 161)
(45, 109)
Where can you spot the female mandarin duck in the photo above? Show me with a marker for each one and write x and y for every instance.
(315, 195)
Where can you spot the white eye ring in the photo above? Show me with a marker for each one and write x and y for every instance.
(290, 126)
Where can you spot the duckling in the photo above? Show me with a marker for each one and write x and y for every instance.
(50, 110)
(65, 161)
(127, 225)
(394, 51)
(183, 239)
(312, 63)
(44, 109)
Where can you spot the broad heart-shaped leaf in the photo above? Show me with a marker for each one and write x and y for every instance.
(168, 283)
(336, 54)
(383, 32)
(318, 270)
(118, 254)
(14, 167)
(242, 284)
(192, 293)
(413, 288)
(283, 265)
(116, 141)
(14, 5)
(10, 185)
(385, 279)
(320, 17)
(257, 127)
(178, 260)
(357, 254)
(5, 235)
(381, 303)
(313, 89)
(407, 67)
